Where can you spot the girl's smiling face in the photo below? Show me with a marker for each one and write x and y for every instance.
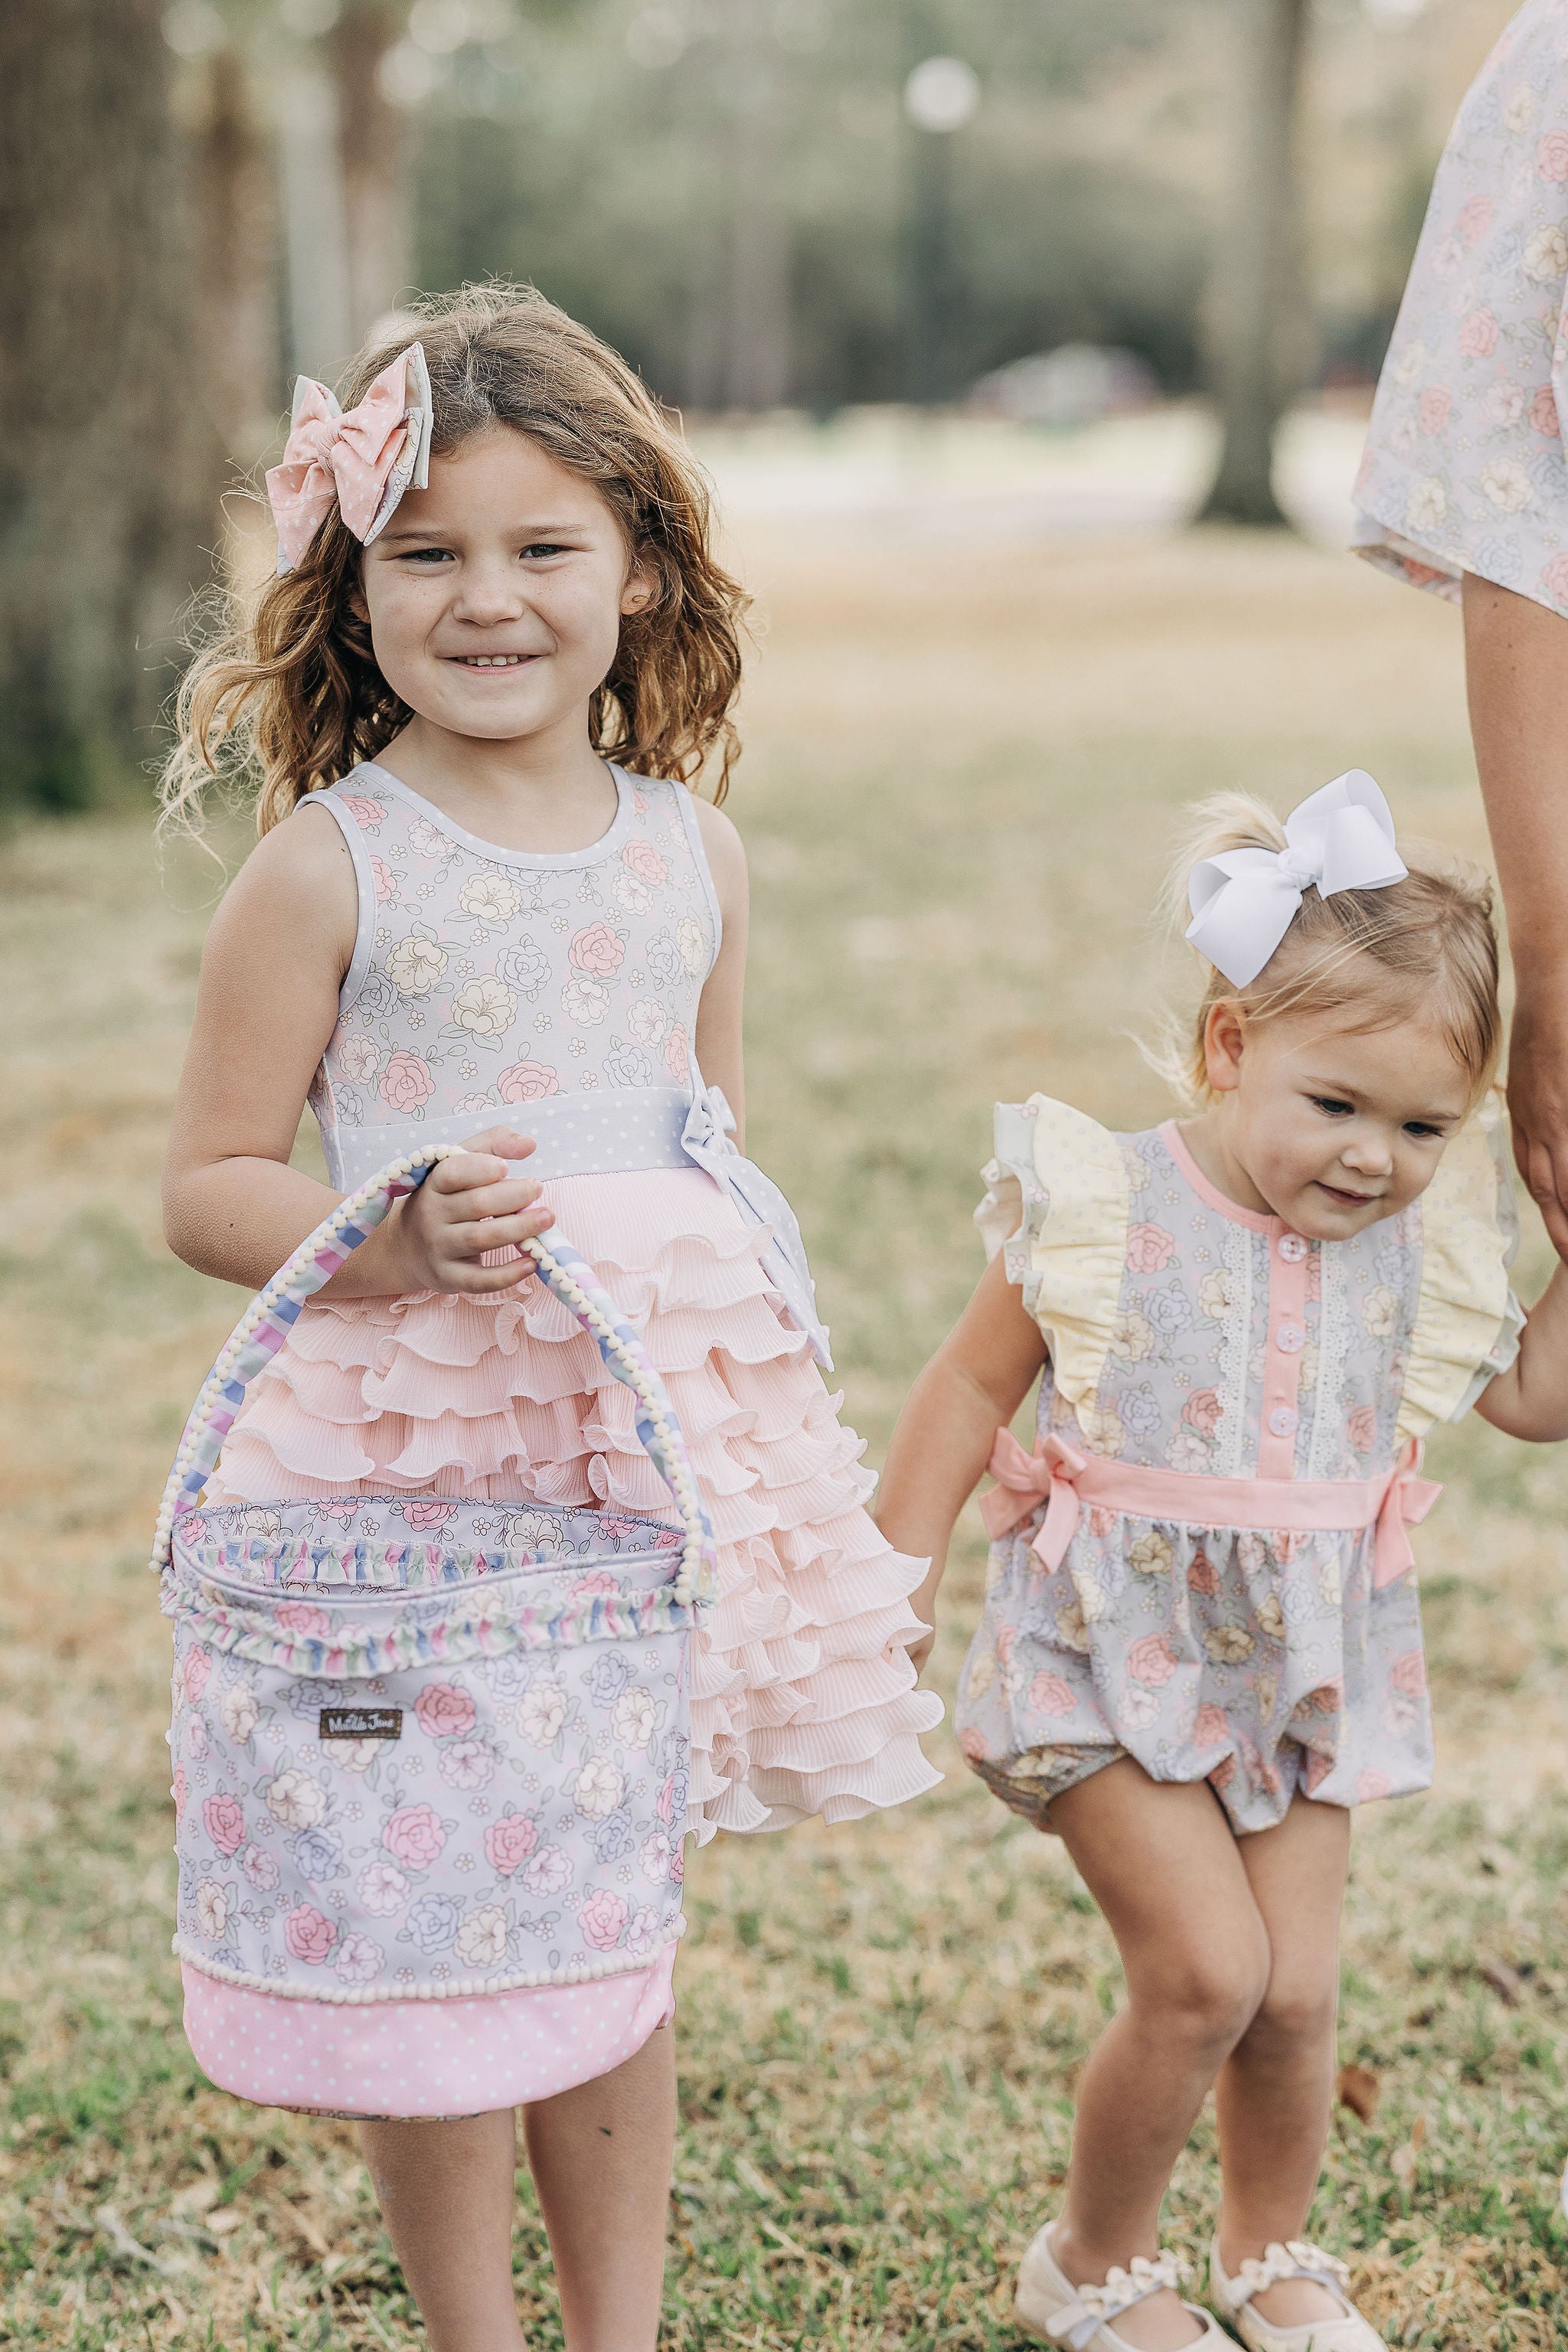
(1330, 1126)
(495, 597)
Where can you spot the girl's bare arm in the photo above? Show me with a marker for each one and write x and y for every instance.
(267, 1003)
(972, 1387)
(1531, 1399)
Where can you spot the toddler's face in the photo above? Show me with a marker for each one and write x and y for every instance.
(1335, 1127)
(495, 596)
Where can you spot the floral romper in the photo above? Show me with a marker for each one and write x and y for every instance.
(1204, 1565)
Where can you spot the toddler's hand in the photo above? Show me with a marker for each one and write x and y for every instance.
(468, 1207)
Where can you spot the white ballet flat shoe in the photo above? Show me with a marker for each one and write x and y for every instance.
(1049, 2306)
(1298, 2259)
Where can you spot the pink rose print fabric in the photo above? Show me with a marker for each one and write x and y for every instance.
(1261, 1659)
(1464, 468)
(485, 979)
(516, 1824)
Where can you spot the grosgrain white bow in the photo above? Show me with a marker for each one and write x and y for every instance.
(1245, 900)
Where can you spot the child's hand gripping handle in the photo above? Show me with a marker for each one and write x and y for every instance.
(266, 1321)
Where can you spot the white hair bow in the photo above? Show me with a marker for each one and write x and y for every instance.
(1245, 900)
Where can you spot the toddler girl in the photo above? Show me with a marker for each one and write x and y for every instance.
(499, 649)
(1200, 1646)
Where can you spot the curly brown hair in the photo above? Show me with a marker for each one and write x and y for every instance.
(286, 697)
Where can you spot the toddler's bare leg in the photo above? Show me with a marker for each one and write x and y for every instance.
(1275, 2093)
(447, 2192)
(1161, 1861)
(600, 2157)
(601, 2160)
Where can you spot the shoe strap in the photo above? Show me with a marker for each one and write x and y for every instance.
(1076, 2322)
(1297, 2258)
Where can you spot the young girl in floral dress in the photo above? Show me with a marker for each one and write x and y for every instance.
(1200, 1648)
(486, 910)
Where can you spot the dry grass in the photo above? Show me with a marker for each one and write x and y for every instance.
(965, 761)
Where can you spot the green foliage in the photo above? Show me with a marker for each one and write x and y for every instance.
(616, 184)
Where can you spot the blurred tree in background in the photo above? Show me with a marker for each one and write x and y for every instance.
(201, 197)
(109, 462)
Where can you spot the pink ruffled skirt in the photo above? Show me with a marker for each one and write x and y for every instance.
(804, 1700)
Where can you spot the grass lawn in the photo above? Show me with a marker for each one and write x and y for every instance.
(965, 760)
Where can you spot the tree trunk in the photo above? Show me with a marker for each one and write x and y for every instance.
(758, 371)
(1256, 304)
(108, 460)
(236, 260)
(370, 152)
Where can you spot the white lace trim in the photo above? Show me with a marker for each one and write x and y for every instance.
(1236, 1336)
(1335, 1333)
(1297, 2258)
(1077, 2321)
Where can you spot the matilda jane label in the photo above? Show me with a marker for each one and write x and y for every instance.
(361, 1723)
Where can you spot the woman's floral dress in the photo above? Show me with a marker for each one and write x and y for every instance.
(1464, 468)
(1191, 1337)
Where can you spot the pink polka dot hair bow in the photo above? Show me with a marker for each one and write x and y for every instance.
(1245, 900)
(361, 460)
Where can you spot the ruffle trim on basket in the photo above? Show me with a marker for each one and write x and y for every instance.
(804, 1699)
(408, 1637)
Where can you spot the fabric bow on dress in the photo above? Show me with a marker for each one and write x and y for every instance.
(1245, 900)
(361, 460)
(705, 1141)
(1064, 1479)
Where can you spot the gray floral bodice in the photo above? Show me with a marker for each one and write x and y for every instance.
(485, 979)
(1188, 1334)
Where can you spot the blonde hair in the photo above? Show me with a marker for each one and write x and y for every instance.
(1426, 942)
(286, 697)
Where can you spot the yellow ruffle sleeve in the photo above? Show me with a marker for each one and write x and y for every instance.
(1058, 1205)
(1468, 1320)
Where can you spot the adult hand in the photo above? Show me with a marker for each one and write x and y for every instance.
(1516, 660)
(1538, 1100)
(468, 1207)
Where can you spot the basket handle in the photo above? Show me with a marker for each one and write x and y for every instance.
(271, 1314)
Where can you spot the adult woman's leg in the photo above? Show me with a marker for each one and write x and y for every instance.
(1161, 1861)
(1275, 2093)
(447, 2192)
(600, 2157)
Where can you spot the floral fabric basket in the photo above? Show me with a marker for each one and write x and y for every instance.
(418, 1741)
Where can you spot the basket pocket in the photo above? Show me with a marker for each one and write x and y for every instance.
(396, 1794)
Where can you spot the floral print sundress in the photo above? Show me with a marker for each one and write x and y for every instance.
(1197, 1348)
(1465, 463)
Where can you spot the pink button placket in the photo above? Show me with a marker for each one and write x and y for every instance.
(1288, 1268)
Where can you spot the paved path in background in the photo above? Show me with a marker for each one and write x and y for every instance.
(892, 475)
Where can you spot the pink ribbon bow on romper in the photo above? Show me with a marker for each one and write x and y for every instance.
(361, 460)
(1023, 1481)
(1062, 1478)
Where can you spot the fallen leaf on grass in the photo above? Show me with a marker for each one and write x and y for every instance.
(746, 2172)
(196, 2197)
(1358, 2088)
(1506, 1982)
(1401, 2163)
(314, 2237)
(121, 2239)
